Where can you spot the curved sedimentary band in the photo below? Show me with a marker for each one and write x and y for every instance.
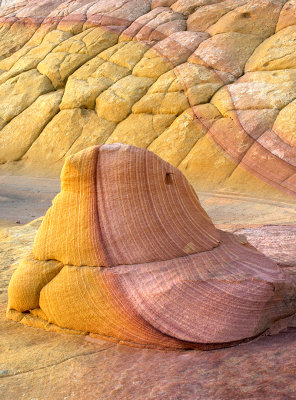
(120, 204)
(205, 301)
(224, 78)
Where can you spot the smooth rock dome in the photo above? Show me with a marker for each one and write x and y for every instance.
(211, 83)
(127, 253)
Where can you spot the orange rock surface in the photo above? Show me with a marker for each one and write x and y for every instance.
(36, 363)
(127, 253)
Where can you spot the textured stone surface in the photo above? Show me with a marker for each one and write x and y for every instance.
(40, 364)
(126, 239)
(279, 242)
(227, 52)
(30, 123)
(138, 66)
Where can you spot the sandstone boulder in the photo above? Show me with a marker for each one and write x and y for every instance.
(127, 253)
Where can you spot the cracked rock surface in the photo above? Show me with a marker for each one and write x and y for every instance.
(208, 85)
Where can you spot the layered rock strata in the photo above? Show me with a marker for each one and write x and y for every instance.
(127, 253)
(208, 85)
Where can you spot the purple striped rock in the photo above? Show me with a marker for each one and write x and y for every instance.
(127, 253)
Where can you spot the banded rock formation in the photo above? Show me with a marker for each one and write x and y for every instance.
(207, 85)
(127, 253)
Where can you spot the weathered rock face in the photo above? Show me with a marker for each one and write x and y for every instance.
(127, 253)
(207, 85)
(48, 365)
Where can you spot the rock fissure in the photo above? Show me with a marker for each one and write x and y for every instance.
(57, 363)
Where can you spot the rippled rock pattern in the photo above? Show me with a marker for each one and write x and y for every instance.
(127, 253)
(208, 85)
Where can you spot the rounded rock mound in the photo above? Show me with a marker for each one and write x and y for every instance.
(207, 85)
(127, 253)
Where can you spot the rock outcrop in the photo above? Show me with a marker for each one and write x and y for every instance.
(47, 365)
(127, 253)
(207, 85)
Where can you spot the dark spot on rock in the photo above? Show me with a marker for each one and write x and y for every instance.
(168, 178)
(246, 15)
